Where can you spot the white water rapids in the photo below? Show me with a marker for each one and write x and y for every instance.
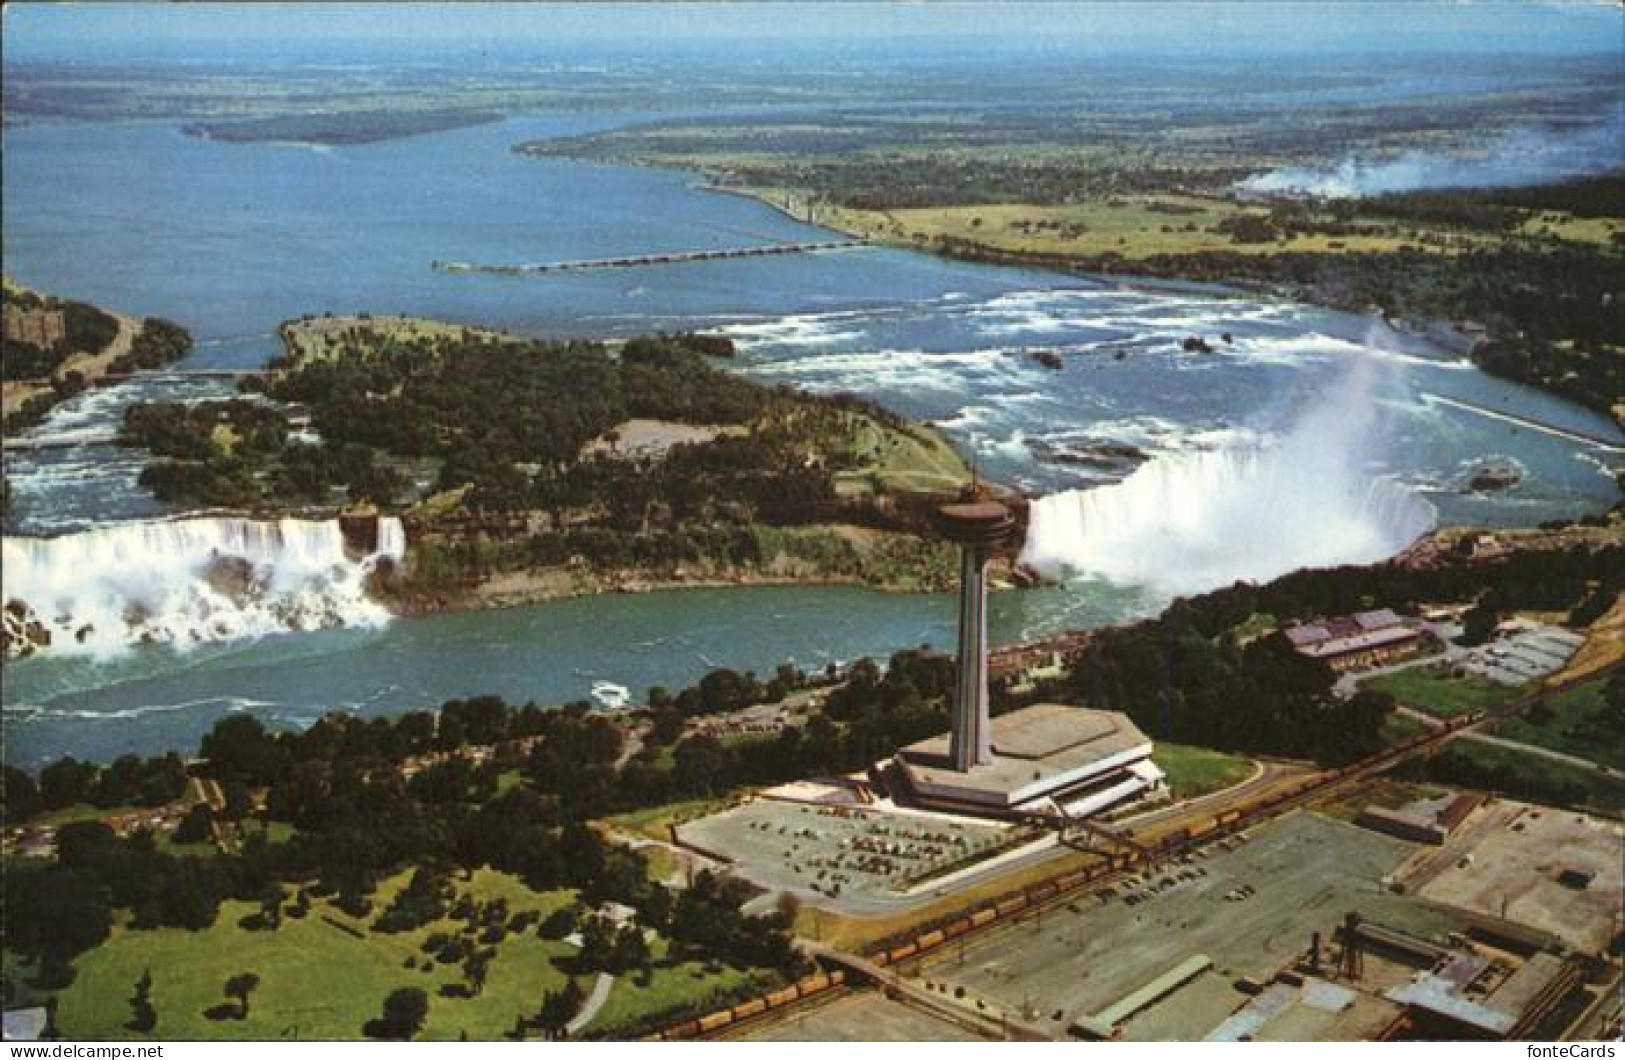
(188, 581)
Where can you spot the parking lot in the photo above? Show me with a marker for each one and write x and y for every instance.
(834, 850)
(1523, 656)
(1250, 906)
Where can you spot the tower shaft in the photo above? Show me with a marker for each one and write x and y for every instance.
(971, 742)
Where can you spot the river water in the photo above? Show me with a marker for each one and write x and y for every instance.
(231, 239)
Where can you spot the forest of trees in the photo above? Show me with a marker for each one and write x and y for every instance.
(505, 422)
(1185, 677)
(357, 818)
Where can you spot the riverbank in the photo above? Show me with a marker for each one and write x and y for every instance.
(823, 556)
(40, 326)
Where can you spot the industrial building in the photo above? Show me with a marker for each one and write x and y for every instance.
(1350, 642)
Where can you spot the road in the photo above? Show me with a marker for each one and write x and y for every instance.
(1543, 752)
(998, 1027)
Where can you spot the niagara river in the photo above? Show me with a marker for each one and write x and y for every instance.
(162, 626)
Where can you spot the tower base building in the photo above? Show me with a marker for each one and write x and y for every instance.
(1050, 760)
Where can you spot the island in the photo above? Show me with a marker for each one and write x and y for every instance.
(57, 347)
(526, 470)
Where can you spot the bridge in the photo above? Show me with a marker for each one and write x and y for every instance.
(991, 1023)
(641, 260)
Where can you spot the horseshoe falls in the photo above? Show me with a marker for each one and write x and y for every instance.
(1195, 520)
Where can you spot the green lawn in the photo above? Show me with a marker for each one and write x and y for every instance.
(1397, 728)
(918, 459)
(655, 822)
(317, 981)
(1257, 625)
(669, 987)
(1196, 771)
(1434, 691)
(1529, 776)
(1571, 722)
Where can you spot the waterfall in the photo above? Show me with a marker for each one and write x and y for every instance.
(185, 582)
(1196, 520)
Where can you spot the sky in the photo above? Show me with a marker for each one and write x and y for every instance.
(109, 30)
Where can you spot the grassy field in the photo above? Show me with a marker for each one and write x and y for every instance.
(916, 460)
(319, 338)
(1544, 780)
(1135, 227)
(1570, 722)
(1434, 692)
(656, 822)
(1196, 771)
(667, 987)
(317, 980)
(1397, 728)
(1598, 230)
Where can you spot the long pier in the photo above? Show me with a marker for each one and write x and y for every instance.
(641, 260)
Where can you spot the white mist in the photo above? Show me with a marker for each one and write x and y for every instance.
(1192, 521)
(190, 581)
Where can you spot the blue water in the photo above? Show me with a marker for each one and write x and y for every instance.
(232, 239)
(548, 654)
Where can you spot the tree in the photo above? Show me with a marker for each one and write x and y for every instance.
(65, 782)
(597, 944)
(557, 924)
(240, 986)
(143, 1016)
(405, 1010)
(666, 726)
(21, 795)
(239, 748)
(56, 913)
(1478, 624)
(631, 949)
(271, 899)
(475, 969)
(197, 826)
(559, 1007)
(702, 765)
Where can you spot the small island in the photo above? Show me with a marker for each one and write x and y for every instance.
(57, 347)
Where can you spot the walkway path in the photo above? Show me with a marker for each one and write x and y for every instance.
(1544, 752)
(594, 1002)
